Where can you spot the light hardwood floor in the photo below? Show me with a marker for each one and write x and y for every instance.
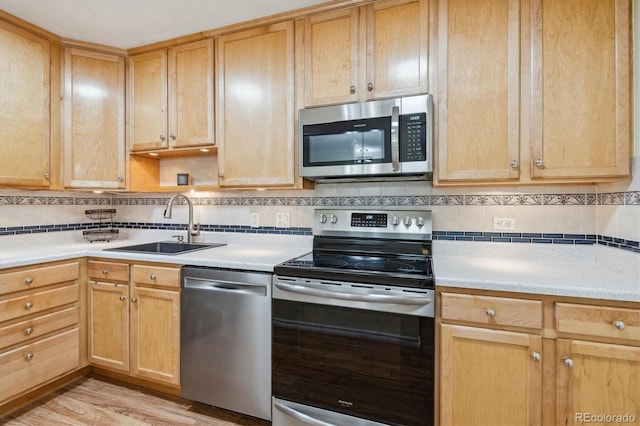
(93, 401)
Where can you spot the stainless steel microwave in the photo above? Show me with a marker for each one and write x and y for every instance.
(391, 137)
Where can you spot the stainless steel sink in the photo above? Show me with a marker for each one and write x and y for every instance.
(166, 247)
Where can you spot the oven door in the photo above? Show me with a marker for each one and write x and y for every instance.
(352, 357)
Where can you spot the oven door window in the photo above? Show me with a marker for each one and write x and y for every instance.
(347, 142)
(374, 365)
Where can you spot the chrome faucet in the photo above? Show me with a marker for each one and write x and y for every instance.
(191, 231)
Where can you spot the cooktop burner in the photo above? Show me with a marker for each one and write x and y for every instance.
(391, 248)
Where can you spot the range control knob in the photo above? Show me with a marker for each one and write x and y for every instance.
(407, 221)
(323, 218)
(395, 221)
(420, 221)
(333, 218)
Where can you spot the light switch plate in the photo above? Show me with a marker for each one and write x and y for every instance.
(504, 223)
(282, 220)
(255, 219)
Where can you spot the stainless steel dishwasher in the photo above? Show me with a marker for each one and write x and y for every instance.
(225, 339)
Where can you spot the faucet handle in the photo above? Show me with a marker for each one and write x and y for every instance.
(179, 237)
(196, 231)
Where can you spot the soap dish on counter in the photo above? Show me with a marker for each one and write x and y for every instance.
(102, 233)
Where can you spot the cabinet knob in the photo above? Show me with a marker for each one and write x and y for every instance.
(105, 272)
(119, 178)
(172, 136)
(568, 362)
(123, 298)
(28, 331)
(28, 356)
(539, 163)
(352, 89)
(163, 138)
(47, 175)
(220, 175)
(134, 299)
(28, 281)
(28, 305)
(490, 312)
(619, 325)
(370, 87)
(515, 164)
(536, 356)
(153, 276)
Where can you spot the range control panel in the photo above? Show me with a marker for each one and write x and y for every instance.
(406, 222)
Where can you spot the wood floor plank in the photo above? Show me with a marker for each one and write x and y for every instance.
(96, 402)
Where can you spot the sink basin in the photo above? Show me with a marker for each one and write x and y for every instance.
(166, 247)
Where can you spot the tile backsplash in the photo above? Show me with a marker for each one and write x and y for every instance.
(607, 214)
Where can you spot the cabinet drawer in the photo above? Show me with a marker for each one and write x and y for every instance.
(38, 277)
(113, 271)
(37, 302)
(487, 310)
(36, 327)
(156, 275)
(598, 321)
(32, 365)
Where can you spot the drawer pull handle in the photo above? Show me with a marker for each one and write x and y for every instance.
(536, 356)
(105, 272)
(134, 299)
(153, 276)
(28, 305)
(490, 313)
(28, 281)
(28, 356)
(28, 331)
(123, 298)
(619, 325)
(568, 362)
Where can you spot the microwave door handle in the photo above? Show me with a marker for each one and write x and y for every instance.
(395, 138)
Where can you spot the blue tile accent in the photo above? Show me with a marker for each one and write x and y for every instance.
(501, 240)
(542, 240)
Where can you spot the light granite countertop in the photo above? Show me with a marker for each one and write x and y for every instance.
(596, 272)
(578, 271)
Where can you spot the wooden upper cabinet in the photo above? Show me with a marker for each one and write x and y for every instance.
(25, 150)
(171, 97)
(581, 88)
(255, 107)
(357, 54)
(478, 102)
(94, 120)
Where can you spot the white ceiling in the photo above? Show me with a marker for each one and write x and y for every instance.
(132, 23)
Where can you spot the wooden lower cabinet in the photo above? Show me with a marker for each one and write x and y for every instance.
(508, 359)
(108, 329)
(489, 377)
(155, 335)
(596, 380)
(134, 328)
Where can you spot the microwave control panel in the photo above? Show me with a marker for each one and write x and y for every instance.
(413, 137)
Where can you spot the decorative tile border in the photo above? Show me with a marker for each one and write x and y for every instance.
(581, 199)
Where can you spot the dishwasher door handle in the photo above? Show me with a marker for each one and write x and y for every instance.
(225, 286)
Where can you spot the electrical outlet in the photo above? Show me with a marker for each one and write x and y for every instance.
(282, 220)
(504, 223)
(255, 220)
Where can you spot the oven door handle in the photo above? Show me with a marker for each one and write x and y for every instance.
(305, 418)
(376, 298)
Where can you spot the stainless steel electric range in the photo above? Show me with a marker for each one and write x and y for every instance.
(353, 322)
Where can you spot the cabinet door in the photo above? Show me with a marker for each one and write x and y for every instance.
(597, 379)
(581, 88)
(147, 100)
(94, 121)
(108, 330)
(396, 49)
(331, 57)
(478, 90)
(24, 108)
(191, 94)
(155, 334)
(489, 377)
(256, 107)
